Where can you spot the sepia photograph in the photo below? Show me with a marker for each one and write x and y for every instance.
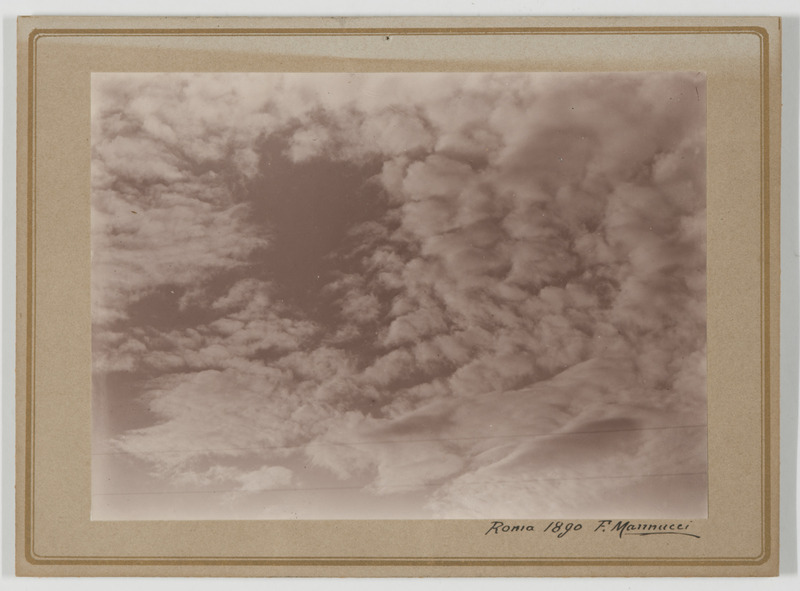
(398, 295)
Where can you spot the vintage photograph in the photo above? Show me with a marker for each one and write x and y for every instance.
(398, 295)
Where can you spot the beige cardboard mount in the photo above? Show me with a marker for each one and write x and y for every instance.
(55, 536)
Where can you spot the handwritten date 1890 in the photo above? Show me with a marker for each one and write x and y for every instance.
(561, 528)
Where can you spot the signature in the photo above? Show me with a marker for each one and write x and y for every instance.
(626, 528)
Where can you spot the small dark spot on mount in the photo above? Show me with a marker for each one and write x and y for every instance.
(387, 38)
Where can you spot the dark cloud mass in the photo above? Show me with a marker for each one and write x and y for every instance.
(445, 295)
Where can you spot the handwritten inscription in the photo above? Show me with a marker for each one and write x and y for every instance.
(500, 527)
(626, 528)
(561, 528)
(620, 528)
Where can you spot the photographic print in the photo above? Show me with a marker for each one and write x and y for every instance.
(398, 295)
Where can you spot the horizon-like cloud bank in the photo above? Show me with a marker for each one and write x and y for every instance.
(399, 295)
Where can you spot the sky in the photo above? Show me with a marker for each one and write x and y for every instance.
(325, 296)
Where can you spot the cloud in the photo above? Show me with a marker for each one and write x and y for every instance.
(479, 288)
(523, 447)
(266, 478)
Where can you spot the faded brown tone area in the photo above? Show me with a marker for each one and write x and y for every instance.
(449, 295)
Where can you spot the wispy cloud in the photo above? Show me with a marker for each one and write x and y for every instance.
(480, 288)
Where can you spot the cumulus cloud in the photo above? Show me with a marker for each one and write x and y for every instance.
(474, 290)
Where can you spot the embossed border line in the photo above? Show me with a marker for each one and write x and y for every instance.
(461, 561)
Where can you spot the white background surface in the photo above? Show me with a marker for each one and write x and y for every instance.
(788, 9)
